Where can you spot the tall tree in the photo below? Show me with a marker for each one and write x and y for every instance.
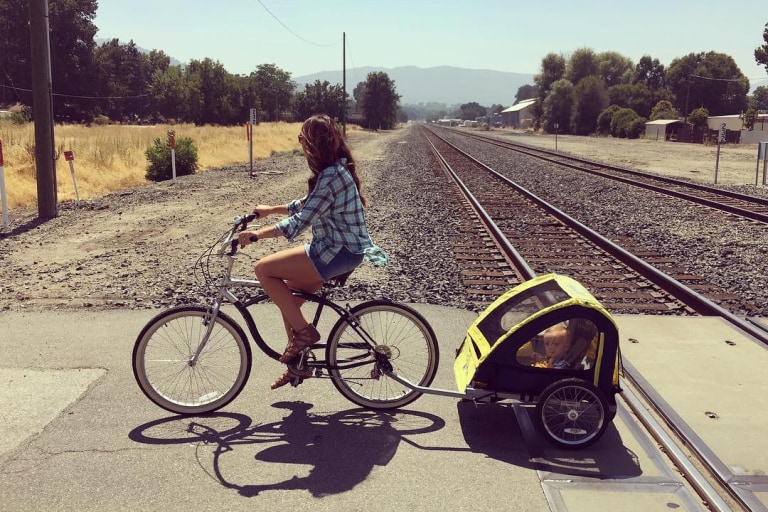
(589, 99)
(525, 92)
(471, 111)
(582, 63)
(761, 52)
(275, 89)
(380, 101)
(635, 96)
(615, 69)
(320, 97)
(123, 81)
(218, 95)
(649, 72)
(759, 98)
(558, 107)
(71, 36)
(710, 80)
(552, 70)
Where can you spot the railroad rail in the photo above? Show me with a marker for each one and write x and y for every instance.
(741, 205)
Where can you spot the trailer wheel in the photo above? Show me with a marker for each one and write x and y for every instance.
(572, 413)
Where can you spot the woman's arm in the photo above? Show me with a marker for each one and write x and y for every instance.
(264, 210)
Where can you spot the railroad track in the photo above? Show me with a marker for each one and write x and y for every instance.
(511, 236)
(740, 205)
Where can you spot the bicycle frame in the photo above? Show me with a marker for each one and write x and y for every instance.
(225, 294)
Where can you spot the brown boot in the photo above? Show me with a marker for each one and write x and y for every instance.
(303, 338)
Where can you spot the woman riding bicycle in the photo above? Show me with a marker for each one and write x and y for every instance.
(340, 241)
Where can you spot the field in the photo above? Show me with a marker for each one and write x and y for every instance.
(110, 158)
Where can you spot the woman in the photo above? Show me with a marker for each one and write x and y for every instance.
(340, 240)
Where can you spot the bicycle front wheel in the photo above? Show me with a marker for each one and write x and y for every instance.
(167, 372)
(397, 331)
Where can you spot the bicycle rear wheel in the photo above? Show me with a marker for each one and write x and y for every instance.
(166, 373)
(400, 333)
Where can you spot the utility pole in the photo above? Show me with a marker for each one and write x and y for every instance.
(344, 83)
(42, 109)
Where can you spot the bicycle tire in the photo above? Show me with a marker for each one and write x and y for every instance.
(572, 413)
(161, 361)
(397, 329)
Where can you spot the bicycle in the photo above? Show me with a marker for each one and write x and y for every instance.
(197, 359)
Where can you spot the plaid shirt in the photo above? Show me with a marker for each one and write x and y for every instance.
(335, 212)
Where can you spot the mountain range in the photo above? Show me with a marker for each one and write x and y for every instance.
(442, 84)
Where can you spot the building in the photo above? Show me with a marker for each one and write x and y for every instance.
(519, 115)
(663, 129)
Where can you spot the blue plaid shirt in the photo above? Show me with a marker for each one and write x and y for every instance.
(335, 212)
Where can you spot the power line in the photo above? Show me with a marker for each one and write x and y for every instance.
(294, 33)
(14, 88)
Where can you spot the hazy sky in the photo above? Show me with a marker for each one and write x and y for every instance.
(305, 36)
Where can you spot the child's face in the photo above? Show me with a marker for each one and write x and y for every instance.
(556, 343)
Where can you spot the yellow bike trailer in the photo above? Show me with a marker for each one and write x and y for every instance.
(550, 341)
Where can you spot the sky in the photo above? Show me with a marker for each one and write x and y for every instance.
(304, 37)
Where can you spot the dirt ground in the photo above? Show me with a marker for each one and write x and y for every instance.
(737, 163)
(123, 249)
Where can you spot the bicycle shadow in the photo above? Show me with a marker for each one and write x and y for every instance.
(341, 449)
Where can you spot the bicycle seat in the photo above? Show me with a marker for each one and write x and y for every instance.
(339, 280)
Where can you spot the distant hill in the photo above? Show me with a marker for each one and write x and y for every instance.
(443, 84)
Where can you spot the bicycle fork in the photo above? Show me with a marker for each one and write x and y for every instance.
(209, 321)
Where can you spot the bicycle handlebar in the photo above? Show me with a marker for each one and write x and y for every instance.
(240, 224)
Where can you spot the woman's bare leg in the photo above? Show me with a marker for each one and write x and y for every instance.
(288, 266)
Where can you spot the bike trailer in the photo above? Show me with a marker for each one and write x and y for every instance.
(546, 340)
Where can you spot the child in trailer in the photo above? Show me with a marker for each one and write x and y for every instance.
(568, 347)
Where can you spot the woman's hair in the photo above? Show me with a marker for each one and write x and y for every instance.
(324, 146)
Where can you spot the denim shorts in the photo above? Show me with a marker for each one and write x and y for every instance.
(344, 261)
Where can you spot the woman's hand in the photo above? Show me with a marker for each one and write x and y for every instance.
(245, 238)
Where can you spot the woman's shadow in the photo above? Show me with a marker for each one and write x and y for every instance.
(340, 448)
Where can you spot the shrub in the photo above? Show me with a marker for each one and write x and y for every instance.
(159, 157)
(604, 120)
(101, 120)
(622, 122)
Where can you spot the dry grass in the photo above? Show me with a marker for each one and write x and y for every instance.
(110, 158)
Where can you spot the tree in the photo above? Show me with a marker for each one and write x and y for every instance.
(525, 92)
(379, 101)
(169, 93)
(275, 89)
(625, 123)
(650, 73)
(664, 110)
(698, 117)
(320, 97)
(761, 52)
(710, 80)
(123, 81)
(589, 99)
(583, 63)
(214, 94)
(558, 107)
(471, 111)
(71, 37)
(615, 69)
(552, 70)
(605, 118)
(635, 96)
(759, 98)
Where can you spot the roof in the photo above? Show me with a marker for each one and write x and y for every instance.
(663, 122)
(520, 106)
